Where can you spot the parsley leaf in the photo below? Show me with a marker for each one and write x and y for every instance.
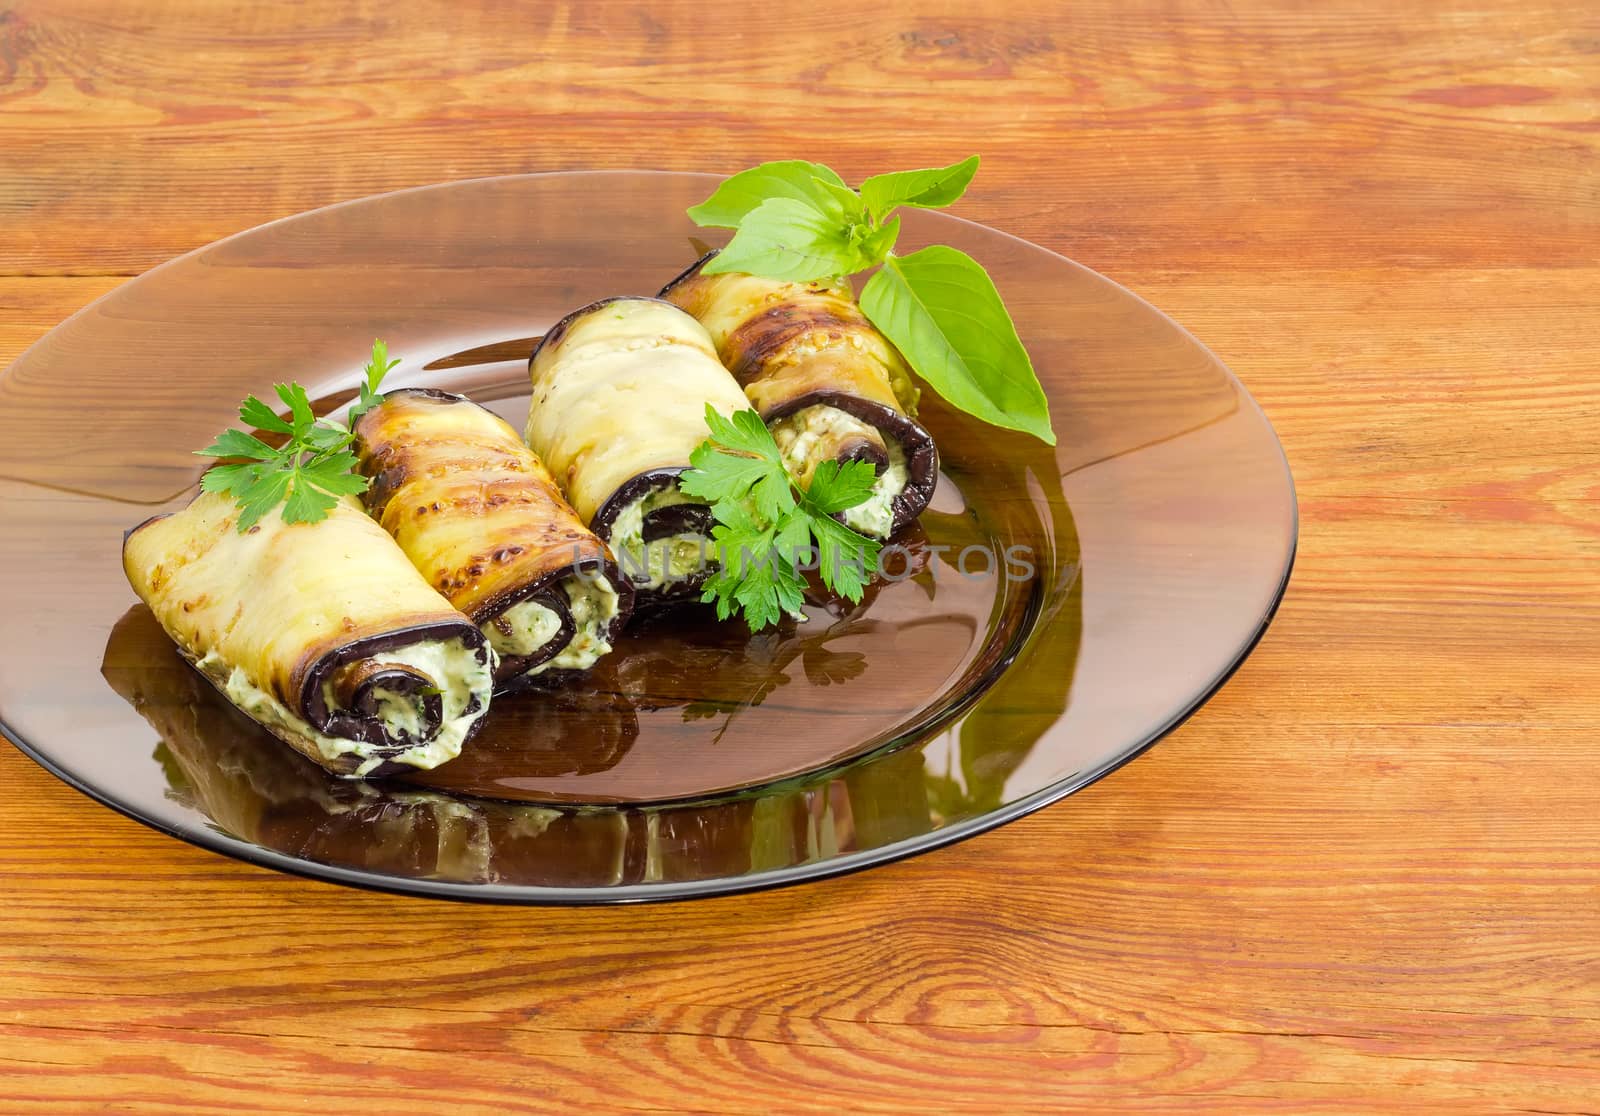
(838, 486)
(257, 414)
(768, 529)
(845, 559)
(236, 443)
(377, 368)
(313, 468)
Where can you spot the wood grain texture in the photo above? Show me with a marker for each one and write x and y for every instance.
(1364, 878)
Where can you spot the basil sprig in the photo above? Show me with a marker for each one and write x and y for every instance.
(798, 221)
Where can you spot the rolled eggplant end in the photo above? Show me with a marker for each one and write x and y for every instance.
(660, 536)
(562, 625)
(128, 533)
(688, 273)
(922, 478)
(407, 699)
(907, 476)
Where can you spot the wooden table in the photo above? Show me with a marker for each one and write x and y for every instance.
(1364, 877)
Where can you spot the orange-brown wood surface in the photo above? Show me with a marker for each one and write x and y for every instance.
(1365, 877)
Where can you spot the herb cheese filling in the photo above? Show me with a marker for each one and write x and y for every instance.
(527, 626)
(654, 564)
(522, 629)
(803, 438)
(593, 603)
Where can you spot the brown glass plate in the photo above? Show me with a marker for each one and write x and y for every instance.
(1148, 552)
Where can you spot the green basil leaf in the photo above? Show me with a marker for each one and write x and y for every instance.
(941, 310)
(934, 188)
(740, 195)
(783, 238)
(846, 205)
(876, 245)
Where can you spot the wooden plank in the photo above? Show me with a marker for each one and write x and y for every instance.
(1262, 133)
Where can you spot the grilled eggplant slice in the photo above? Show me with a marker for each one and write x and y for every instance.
(322, 632)
(483, 521)
(828, 385)
(620, 389)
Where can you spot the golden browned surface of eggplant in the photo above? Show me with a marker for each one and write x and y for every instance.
(483, 520)
(620, 390)
(323, 632)
(784, 341)
(469, 503)
(825, 380)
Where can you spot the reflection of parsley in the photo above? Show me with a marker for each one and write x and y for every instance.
(310, 470)
(177, 782)
(767, 526)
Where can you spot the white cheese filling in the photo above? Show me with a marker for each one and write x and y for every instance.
(453, 666)
(522, 629)
(803, 436)
(654, 564)
(593, 603)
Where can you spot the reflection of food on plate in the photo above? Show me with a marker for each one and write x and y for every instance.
(722, 670)
(620, 390)
(721, 678)
(712, 672)
(540, 738)
(827, 383)
(220, 763)
(1021, 703)
(322, 632)
(482, 519)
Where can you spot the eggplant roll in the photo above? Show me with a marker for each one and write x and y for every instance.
(620, 389)
(827, 384)
(322, 632)
(483, 521)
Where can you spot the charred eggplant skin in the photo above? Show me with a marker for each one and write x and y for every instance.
(620, 389)
(290, 607)
(797, 345)
(478, 514)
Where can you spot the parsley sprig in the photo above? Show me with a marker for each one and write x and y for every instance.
(310, 470)
(769, 529)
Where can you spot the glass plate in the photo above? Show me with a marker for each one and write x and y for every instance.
(1151, 547)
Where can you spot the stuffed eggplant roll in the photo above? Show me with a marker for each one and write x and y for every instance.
(482, 520)
(620, 389)
(322, 632)
(828, 385)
